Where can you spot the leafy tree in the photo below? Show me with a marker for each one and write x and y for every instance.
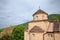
(6, 37)
(18, 32)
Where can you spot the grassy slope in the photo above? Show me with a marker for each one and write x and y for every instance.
(13, 32)
(6, 31)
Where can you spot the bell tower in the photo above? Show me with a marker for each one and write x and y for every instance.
(40, 15)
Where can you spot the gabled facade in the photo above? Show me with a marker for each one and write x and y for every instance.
(41, 29)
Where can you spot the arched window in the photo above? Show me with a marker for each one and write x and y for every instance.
(42, 17)
(37, 17)
(33, 34)
(50, 35)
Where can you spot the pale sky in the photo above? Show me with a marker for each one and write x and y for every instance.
(13, 12)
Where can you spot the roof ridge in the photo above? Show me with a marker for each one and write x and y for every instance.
(39, 11)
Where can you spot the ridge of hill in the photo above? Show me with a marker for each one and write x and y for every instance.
(6, 31)
(54, 17)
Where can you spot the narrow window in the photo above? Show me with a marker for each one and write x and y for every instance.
(42, 17)
(37, 17)
(50, 35)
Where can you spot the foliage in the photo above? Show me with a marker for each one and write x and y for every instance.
(54, 17)
(1, 30)
(6, 37)
(18, 32)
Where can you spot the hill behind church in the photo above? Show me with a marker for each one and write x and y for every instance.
(17, 32)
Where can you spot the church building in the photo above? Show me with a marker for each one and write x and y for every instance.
(40, 28)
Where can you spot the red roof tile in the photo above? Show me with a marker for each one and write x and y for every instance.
(37, 20)
(36, 29)
(40, 12)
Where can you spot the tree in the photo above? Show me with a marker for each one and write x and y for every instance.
(6, 37)
(18, 32)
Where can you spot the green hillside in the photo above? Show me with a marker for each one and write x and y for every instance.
(1, 30)
(13, 33)
(6, 33)
(54, 17)
(18, 30)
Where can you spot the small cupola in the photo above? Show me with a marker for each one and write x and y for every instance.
(40, 15)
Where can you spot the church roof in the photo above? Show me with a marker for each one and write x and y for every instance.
(36, 29)
(54, 27)
(40, 12)
(37, 21)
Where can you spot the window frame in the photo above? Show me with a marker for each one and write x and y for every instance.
(43, 17)
(36, 17)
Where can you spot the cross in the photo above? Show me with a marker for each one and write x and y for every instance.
(39, 7)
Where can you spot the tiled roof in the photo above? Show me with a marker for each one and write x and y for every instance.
(54, 27)
(36, 29)
(39, 12)
(37, 20)
(50, 27)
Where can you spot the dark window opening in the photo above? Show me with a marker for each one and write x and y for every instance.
(50, 35)
(42, 17)
(33, 34)
(37, 17)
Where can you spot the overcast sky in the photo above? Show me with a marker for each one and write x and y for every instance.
(13, 12)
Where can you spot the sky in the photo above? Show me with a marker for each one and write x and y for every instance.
(14, 12)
